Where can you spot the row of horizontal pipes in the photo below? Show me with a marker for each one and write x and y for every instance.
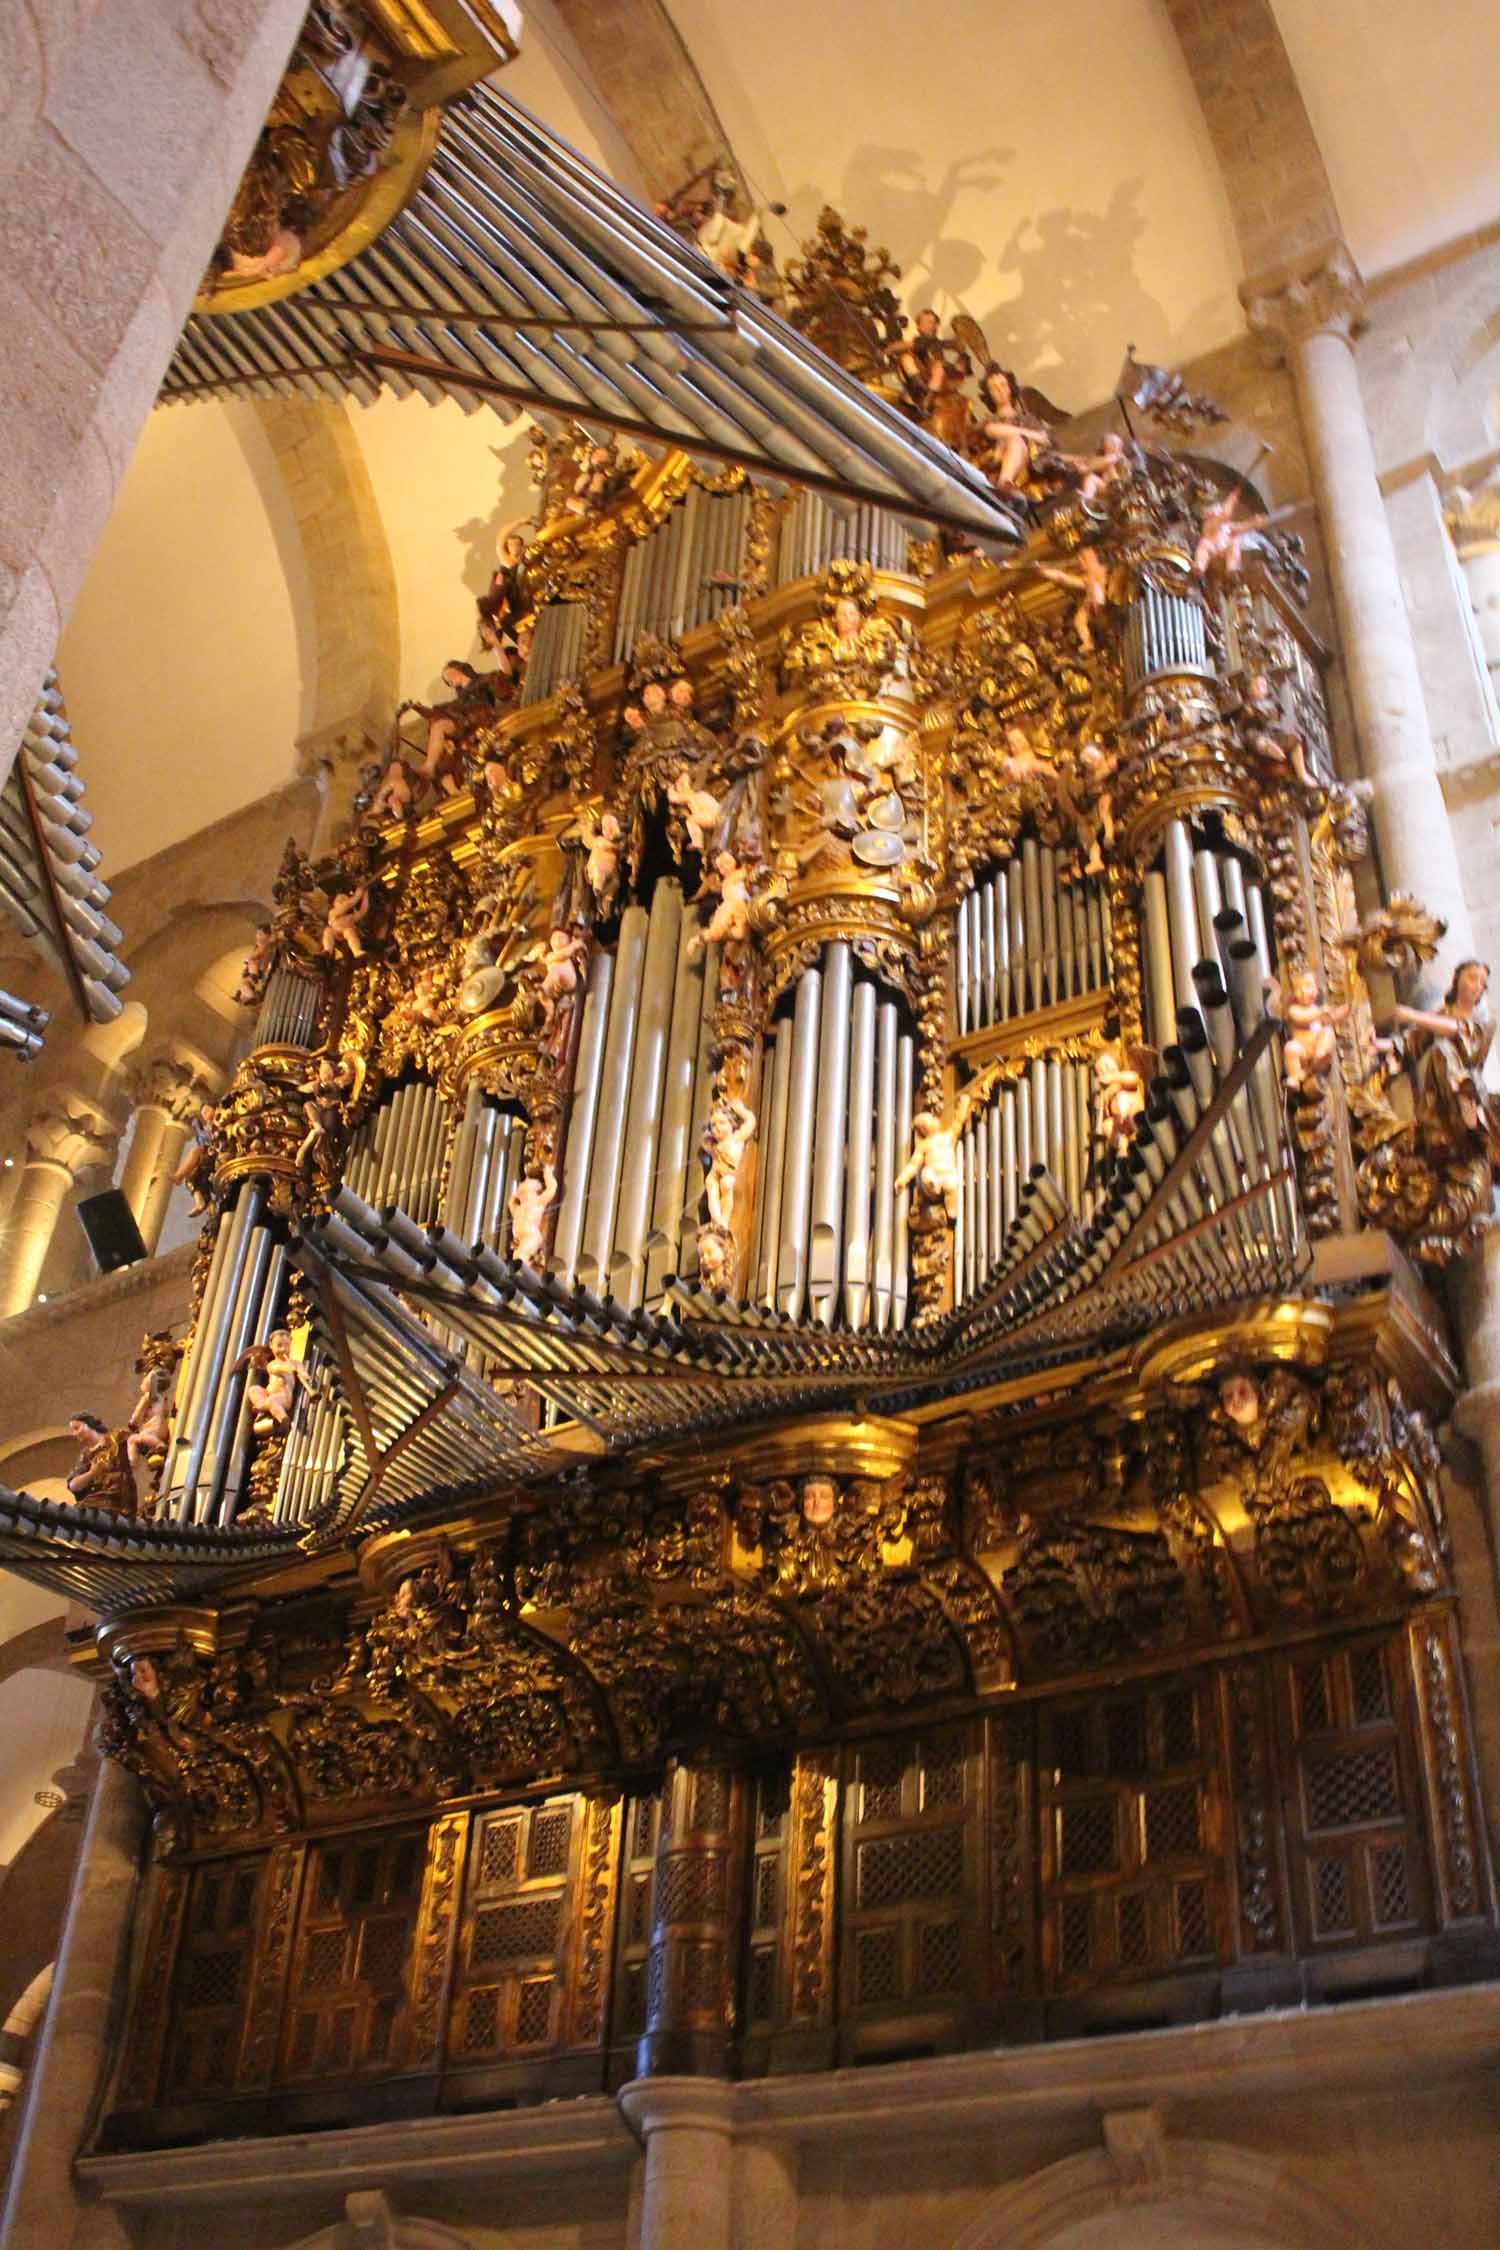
(207, 1460)
(668, 585)
(49, 884)
(289, 1009)
(830, 1229)
(1025, 938)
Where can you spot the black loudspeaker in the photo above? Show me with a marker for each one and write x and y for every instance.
(113, 1235)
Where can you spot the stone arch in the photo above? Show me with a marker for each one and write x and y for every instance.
(370, 2223)
(1187, 2192)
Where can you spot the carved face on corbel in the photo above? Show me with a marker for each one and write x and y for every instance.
(1239, 1399)
(819, 1500)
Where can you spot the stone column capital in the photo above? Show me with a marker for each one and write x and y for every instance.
(1472, 514)
(702, 2105)
(1321, 295)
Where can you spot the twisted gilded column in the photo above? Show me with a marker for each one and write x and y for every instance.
(1309, 321)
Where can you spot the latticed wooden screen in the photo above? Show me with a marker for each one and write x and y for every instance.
(347, 2004)
(1359, 1861)
(765, 1910)
(637, 1906)
(910, 1929)
(520, 1915)
(212, 1983)
(1132, 1836)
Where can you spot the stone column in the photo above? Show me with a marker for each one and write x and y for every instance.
(686, 2127)
(43, 2210)
(46, 1178)
(765, 2194)
(1309, 319)
(165, 1096)
(126, 131)
(690, 1968)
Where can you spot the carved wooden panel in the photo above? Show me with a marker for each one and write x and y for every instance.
(347, 2012)
(273, 1956)
(909, 1936)
(1259, 1865)
(768, 1887)
(213, 1978)
(1458, 1839)
(1132, 1836)
(1011, 1776)
(150, 2009)
(511, 1987)
(437, 1931)
(1358, 1856)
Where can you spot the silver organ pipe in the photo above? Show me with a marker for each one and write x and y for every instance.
(814, 533)
(460, 1162)
(647, 1084)
(314, 1449)
(642, 1083)
(1042, 1118)
(243, 1328)
(1164, 633)
(609, 1131)
(886, 1166)
(210, 1335)
(830, 1129)
(905, 1087)
(557, 649)
(1021, 940)
(289, 1009)
(773, 1093)
(791, 1264)
(395, 1160)
(578, 1149)
(667, 583)
(858, 1182)
(671, 1207)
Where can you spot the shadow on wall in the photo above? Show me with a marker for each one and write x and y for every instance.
(1074, 298)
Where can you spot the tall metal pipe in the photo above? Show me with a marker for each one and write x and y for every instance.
(773, 1152)
(1002, 941)
(885, 1162)
(609, 1130)
(857, 1184)
(1009, 1161)
(240, 1333)
(1182, 912)
(831, 1121)
(703, 1094)
(1015, 906)
(1160, 987)
(669, 1203)
(1031, 927)
(647, 1077)
(796, 1183)
(901, 1260)
(210, 1339)
(579, 1146)
(988, 951)
(1048, 881)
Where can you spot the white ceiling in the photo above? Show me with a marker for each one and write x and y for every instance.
(1403, 102)
(1048, 171)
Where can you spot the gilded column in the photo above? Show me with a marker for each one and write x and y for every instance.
(42, 2211)
(690, 1968)
(685, 2127)
(1310, 322)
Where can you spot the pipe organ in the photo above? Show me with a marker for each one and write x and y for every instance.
(672, 576)
(1029, 934)
(815, 533)
(823, 1210)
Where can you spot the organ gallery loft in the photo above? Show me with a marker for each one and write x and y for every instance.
(748, 1424)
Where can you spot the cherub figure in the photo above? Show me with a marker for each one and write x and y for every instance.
(531, 1201)
(1267, 732)
(194, 1166)
(1092, 804)
(1220, 543)
(1099, 472)
(727, 1135)
(1021, 761)
(345, 919)
(395, 793)
(422, 1004)
(150, 1424)
(598, 480)
(1308, 1048)
(323, 1097)
(730, 922)
(933, 1162)
(276, 1379)
(1120, 1075)
(1090, 581)
(602, 844)
(562, 962)
(701, 811)
(1012, 437)
(256, 967)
